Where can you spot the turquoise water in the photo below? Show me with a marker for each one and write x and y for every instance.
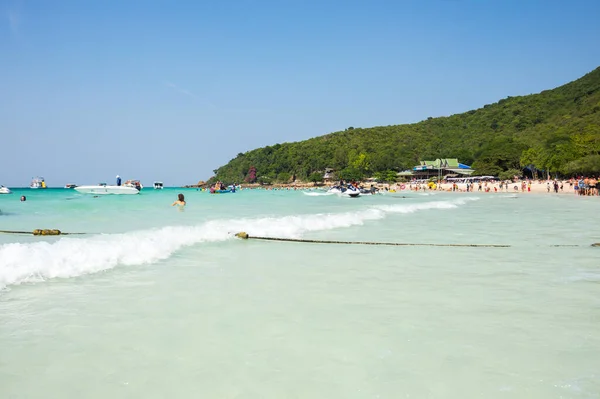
(160, 302)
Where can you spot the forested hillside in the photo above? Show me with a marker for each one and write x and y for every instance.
(556, 130)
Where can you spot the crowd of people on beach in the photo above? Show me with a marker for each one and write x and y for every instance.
(585, 186)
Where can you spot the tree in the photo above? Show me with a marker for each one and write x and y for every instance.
(284, 177)
(351, 174)
(388, 176)
(510, 174)
(251, 176)
(315, 177)
(264, 180)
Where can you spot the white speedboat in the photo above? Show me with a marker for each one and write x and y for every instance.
(103, 189)
(4, 190)
(134, 184)
(37, 182)
(158, 185)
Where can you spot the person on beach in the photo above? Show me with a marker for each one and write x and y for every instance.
(180, 201)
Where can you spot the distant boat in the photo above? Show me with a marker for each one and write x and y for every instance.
(4, 190)
(103, 189)
(224, 190)
(70, 185)
(37, 182)
(158, 185)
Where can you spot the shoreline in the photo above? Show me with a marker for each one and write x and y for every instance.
(536, 187)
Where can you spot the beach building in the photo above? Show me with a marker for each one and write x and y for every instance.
(328, 175)
(441, 168)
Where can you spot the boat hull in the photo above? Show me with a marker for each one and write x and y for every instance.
(106, 190)
(4, 190)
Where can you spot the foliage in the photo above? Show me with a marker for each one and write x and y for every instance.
(264, 180)
(387, 176)
(251, 176)
(555, 131)
(510, 174)
(315, 177)
(351, 173)
(284, 177)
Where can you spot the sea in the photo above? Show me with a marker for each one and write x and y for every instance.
(155, 301)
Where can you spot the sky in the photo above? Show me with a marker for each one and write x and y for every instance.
(170, 91)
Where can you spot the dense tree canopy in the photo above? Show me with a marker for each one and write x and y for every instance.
(556, 131)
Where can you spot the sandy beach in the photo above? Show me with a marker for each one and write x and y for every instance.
(536, 187)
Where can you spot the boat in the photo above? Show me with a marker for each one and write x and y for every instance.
(133, 184)
(369, 191)
(223, 189)
(158, 185)
(37, 182)
(70, 185)
(4, 190)
(348, 191)
(104, 189)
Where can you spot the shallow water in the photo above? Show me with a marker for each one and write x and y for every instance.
(167, 303)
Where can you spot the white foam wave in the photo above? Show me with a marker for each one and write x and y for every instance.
(70, 257)
(411, 208)
(315, 194)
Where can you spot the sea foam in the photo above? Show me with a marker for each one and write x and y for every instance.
(71, 257)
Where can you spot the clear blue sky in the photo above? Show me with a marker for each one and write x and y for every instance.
(161, 90)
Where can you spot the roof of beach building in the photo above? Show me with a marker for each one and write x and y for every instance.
(443, 162)
(449, 163)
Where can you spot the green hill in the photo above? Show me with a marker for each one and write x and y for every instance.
(557, 131)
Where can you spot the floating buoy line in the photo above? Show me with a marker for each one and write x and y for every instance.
(246, 236)
(41, 232)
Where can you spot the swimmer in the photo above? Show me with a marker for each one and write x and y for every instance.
(23, 198)
(180, 201)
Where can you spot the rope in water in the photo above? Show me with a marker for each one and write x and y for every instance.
(246, 236)
(40, 232)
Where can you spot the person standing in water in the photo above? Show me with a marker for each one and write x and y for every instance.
(180, 201)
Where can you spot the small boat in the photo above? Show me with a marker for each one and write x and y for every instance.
(134, 184)
(104, 189)
(4, 190)
(70, 185)
(348, 191)
(158, 185)
(37, 182)
(223, 189)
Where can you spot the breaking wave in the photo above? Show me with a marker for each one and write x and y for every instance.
(70, 257)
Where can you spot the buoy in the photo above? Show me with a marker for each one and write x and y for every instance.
(242, 235)
(46, 232)
(42, 232)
